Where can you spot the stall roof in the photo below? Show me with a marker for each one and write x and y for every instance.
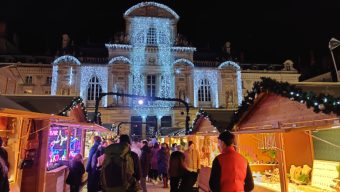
(53, 105)
(212, 121)
(12, 109)
(8, 103)
(280, 107)
(43, 104)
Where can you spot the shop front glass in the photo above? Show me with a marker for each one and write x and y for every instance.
(75, 142)
(57, 146)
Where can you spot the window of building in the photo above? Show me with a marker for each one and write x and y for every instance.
(151, 86)
(151, 126)
(136, 127)
(28, 80)
(166, 121)
(151, 36)
(48, 80)
(28, 91)
(94, 89)
(204, 93)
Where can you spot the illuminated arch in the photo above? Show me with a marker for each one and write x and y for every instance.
(238, 78)
(145, 4)
(186, 61)
(229, 63)
(119, 58)
(66, 58)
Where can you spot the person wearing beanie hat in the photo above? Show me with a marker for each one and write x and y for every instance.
(230, 171)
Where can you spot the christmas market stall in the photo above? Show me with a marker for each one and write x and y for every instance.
(205, 130)
(289, 137)
(49, 142)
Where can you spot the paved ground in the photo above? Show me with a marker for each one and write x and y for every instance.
(151, 188)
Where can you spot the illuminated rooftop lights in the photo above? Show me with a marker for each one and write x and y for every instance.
(119, 58)
(66, 58)
(144, 4)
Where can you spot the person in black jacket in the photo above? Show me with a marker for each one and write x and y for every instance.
(145, 161)
(3, 153)
(92, 177)
(77, 170)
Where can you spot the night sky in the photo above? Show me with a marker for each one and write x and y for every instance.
(265, 31)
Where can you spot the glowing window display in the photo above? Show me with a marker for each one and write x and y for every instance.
(75, 142)
(57, 145)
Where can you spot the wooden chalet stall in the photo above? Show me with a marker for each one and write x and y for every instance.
(49, 141)
(277, 133)
(206, 128)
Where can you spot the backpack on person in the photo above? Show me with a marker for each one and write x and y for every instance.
(118, 168)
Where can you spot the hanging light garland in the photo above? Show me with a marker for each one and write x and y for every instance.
(74, 104)
(199, 117)
(320, 103)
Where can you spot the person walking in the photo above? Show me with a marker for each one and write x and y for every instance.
(176, 170)
(121, 167)
(154, 164)
(92, 179)
(77, 169)
(145, 164)
(4, 183)
(230, 171)
(192, 161)
(163, 157)
(3, 153)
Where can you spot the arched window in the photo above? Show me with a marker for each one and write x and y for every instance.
(151, 36)
(204, 93)
(94, 89)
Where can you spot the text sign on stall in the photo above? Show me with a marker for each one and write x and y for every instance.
(323, 174)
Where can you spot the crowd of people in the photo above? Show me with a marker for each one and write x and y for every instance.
(125, 166)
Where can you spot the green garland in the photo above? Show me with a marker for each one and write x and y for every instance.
(75, 102)
(320, 103)
(201, 113)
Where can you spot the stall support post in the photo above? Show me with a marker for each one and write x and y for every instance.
(282, 163)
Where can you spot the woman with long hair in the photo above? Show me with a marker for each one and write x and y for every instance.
(176, 170)
(77, 170)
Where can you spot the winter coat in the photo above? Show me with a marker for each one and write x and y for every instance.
(163, 160)
(145, 160)
(154, 164)
(230, 172)
(4, 184)
(192, 160)
(76, 173)
(93, 151)
(118, 167)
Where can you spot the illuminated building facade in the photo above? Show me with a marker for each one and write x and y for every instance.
(149, 59)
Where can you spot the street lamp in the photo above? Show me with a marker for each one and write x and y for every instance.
(141, 101)
(334, 43)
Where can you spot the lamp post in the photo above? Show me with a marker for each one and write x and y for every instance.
(334, 43)
(101, 95)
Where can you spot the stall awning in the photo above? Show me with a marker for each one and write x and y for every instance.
(43, 104)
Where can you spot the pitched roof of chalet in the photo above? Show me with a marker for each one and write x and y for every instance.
(277, 106)
(219, 119)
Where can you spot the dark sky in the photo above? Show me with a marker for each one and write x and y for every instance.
(266, 31)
